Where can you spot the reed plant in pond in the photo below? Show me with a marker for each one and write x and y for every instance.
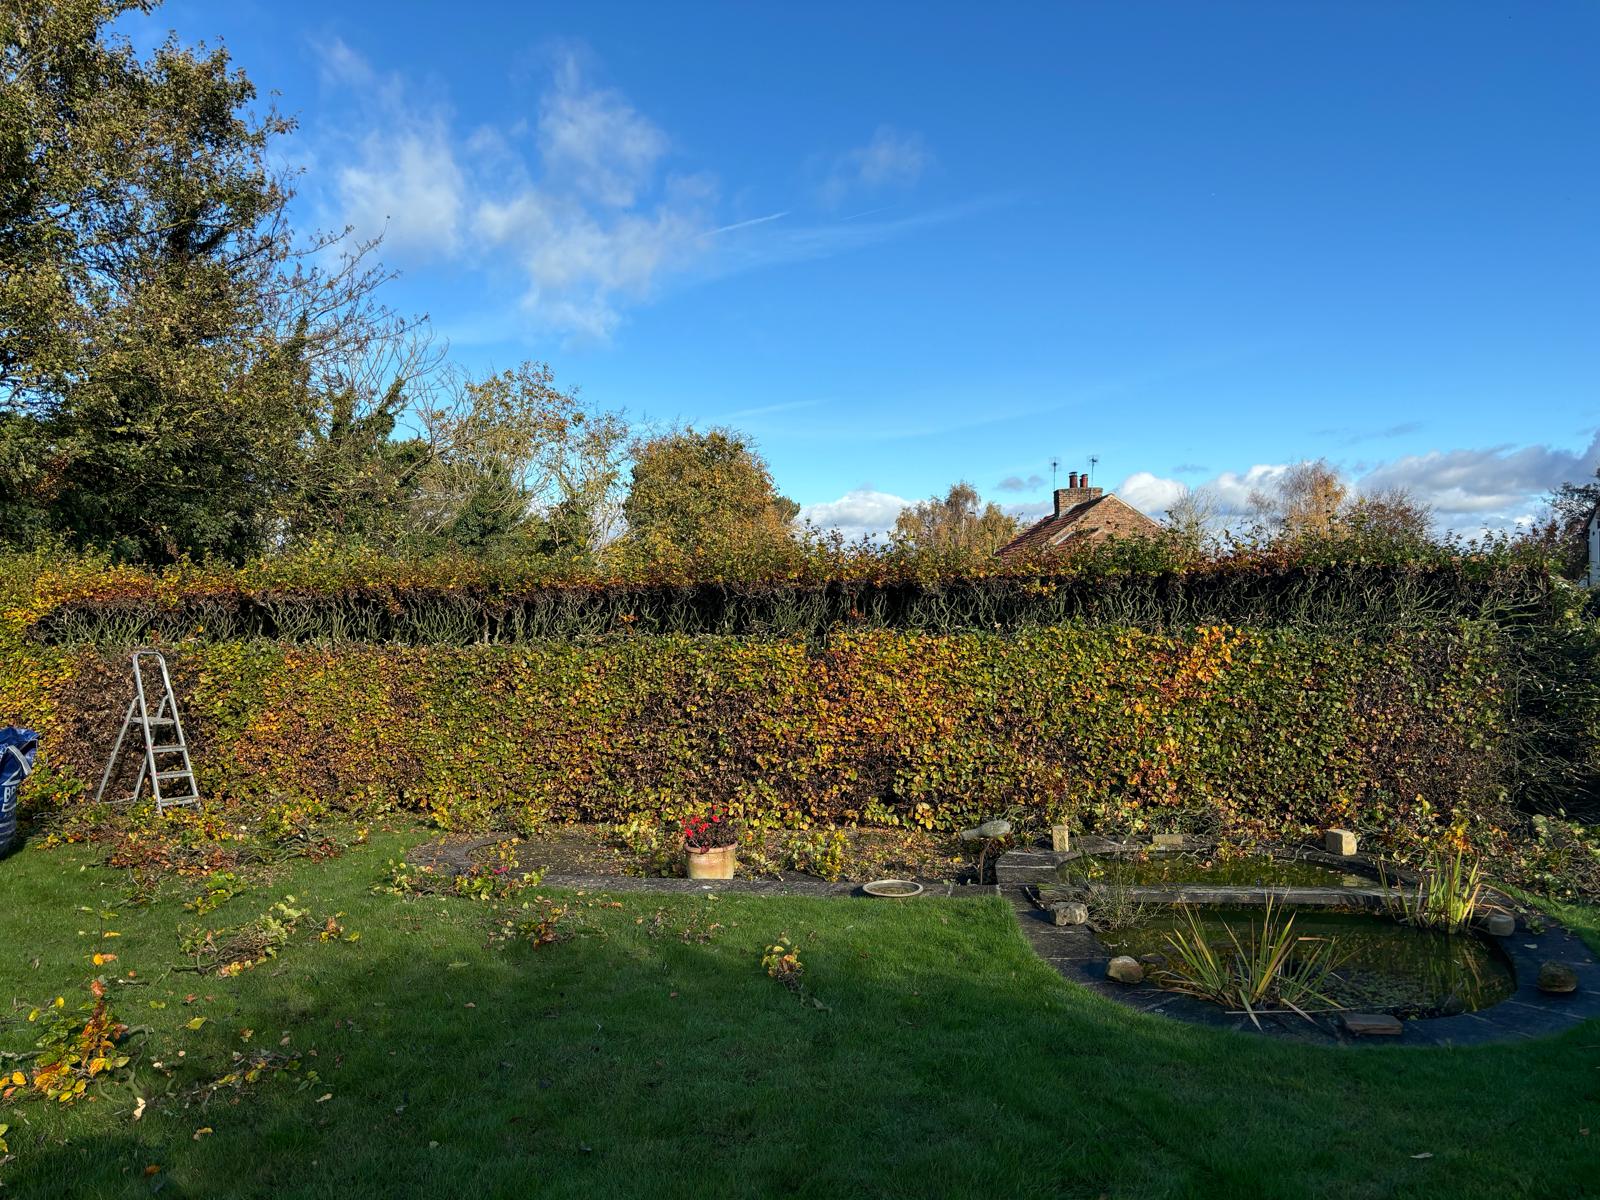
(1446, 896)
(1271, 968)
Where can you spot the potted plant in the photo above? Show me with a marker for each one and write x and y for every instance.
(711, 845)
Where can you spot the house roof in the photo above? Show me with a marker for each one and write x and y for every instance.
(1100, 516)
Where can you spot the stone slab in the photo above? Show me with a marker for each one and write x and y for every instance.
(1372, 1024)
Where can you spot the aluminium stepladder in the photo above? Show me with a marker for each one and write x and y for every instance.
(165, 756)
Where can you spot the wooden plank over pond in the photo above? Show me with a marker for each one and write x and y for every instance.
(1372, 899)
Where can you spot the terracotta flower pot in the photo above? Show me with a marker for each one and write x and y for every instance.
(717, 863)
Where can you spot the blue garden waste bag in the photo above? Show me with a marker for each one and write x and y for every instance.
(17, 748)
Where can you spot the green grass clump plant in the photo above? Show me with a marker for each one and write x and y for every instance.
(819, 852)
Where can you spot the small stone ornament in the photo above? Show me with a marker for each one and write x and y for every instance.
(988, 831)
(1339, 841)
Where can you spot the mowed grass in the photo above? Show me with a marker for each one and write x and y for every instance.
(636, 1059)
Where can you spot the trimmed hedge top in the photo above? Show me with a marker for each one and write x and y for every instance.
(804, 591)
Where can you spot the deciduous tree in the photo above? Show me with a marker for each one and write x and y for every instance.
(959, 522)
(164, 337)
(705, 492)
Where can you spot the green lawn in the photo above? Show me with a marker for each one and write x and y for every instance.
(636, 1059)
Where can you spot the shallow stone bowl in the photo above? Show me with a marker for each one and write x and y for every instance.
(892, 889)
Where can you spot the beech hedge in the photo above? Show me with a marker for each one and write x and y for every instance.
(1258, 731)
(1128, 686)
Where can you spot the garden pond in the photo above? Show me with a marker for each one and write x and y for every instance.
(1383, 965)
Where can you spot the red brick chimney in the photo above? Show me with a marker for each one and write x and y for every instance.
(1076, 492)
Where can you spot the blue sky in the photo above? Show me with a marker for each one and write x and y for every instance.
(903, 244)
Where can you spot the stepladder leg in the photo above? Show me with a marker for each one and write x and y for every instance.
(116, 752)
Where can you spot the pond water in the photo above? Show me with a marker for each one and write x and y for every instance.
(1256, 870)
(1386, 967)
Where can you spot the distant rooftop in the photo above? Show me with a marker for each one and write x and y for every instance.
(1082, 514)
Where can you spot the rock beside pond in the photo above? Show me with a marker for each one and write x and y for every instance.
(1500, 924)
(1373, 1024)
(1125, 970)
(1070, 912)
(1557, 978)
(997, 828)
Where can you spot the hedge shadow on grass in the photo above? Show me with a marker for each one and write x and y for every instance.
(948, 1061)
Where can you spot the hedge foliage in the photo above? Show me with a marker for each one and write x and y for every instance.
(796, 590)
(1260, 730)
(1389, 695)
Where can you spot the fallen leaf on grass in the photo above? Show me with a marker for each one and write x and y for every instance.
(324, 1097)
(1425, 1154)
(138, 1109)
(203, 1131)
(195, 1022)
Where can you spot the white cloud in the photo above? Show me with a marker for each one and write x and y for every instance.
(859, 513)
(579, 263)
(1233, 489)
(589, 220)
(1151, 494)
(1470, 491)
(576, 202)
(400, 179)
(594, 142)
(890, 159)
(1016, 483)
(406, 186)
(1496, 480)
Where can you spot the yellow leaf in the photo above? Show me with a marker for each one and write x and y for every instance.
(195, 1022)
